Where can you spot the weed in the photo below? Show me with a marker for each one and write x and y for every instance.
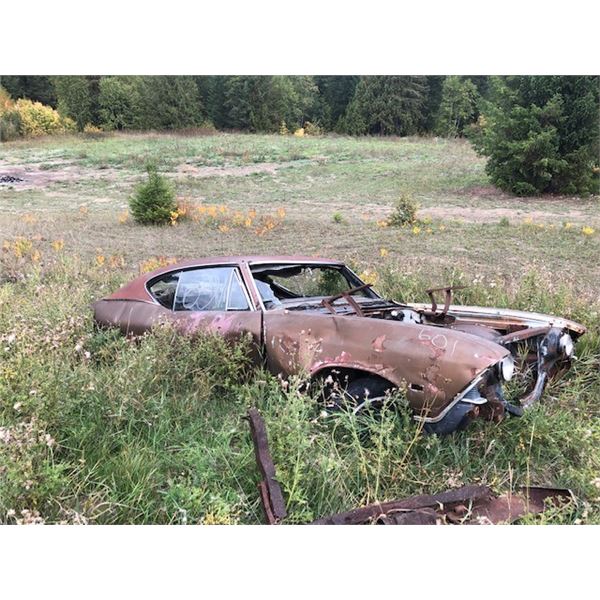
(405, 211)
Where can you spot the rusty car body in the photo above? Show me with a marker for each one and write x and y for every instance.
(316, 318)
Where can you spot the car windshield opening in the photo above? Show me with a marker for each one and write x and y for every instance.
(287, 284)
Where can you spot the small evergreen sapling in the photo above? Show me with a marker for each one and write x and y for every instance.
(154, 200)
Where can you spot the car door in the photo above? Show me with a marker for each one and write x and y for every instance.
(210, 299)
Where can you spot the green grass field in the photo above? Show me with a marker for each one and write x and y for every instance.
(94, 428)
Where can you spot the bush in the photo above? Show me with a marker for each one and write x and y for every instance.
(28, 118)
(405, 211)
(153, 201)
(542, 135)
(10, 126)
(37, 119)
(312, 129)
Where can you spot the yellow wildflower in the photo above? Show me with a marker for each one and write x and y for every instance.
(383, 252)
(58, 245)
(116, 261)
(567, 225)
(36, 255)
(369, 276)
(382, 223)
(588, 230)
(223, 228)
(100, 259)
(442, 228)
(416, 230)
(123, 216)
(281, 213)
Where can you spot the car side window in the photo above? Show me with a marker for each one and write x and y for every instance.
(163, 290)
(210, 288)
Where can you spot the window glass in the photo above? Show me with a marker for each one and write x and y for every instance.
(217, 288)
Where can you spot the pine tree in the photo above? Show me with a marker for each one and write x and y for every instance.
(38, 88)
(542, 134)
(74, 99)
(387, 105)
(120, 103)
(170, 102)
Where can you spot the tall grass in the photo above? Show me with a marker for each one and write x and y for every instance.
(97, 428)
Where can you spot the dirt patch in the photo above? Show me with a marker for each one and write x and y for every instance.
(187, 170)
(491, 215)
(37, 178)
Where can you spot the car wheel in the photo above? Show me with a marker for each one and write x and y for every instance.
(361, 395)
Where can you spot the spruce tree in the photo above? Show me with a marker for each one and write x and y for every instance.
(542, 134)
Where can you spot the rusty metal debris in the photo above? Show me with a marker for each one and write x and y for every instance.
(270, 490)
(387, 511)
(315, 318)
(470, 504)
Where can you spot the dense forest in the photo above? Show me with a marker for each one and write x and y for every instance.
(540, 132)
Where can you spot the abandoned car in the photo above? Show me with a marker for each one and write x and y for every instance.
(315, 317)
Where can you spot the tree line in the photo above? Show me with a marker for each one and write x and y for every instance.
(375, 105)
(541, 133)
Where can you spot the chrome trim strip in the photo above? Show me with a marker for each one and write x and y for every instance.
(458, 397)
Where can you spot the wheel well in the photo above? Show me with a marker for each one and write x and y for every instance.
(328, 378)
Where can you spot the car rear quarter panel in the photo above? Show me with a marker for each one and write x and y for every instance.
(136, 317)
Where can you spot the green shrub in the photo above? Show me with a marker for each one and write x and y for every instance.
(504, 222)
(405, 211)
(542, 135)
(338, 218)
(153, 201)
(10, 125)
(312, 129)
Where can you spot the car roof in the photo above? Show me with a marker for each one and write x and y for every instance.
(250, 259)
(136, 289)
